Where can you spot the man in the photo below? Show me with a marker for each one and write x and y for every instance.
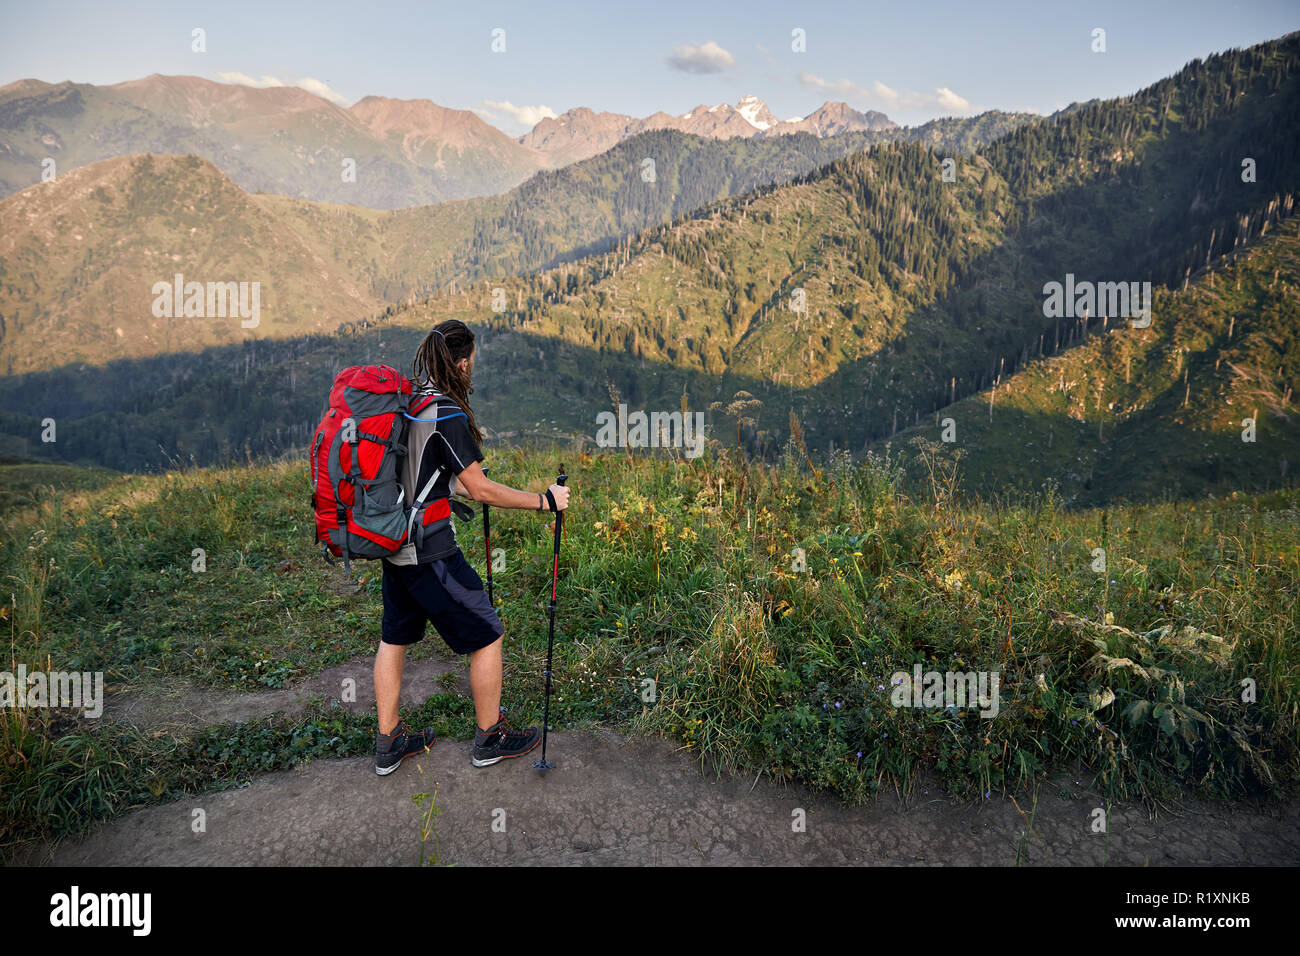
(429, 579)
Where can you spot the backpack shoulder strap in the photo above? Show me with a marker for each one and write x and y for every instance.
(426, 406)
(419, 402)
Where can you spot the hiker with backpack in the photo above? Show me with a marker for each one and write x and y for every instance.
(382, 488)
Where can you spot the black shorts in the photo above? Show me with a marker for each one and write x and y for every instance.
(447, 592)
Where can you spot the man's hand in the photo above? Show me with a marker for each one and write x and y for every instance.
(561, 493)
(480, 487)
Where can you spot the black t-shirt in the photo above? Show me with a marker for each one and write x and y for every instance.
(439, 437)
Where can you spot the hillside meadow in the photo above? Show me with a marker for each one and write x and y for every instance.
(756, 614)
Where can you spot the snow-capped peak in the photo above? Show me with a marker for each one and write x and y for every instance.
(755, 112)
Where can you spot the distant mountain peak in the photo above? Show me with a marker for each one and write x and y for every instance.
(756, 112)
(830, 119)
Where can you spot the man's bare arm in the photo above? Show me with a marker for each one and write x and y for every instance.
(480, 487)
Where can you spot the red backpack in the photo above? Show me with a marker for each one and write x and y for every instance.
(357, 455)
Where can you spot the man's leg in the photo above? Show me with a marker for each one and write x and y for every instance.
(388, 682)
(484, 681)
(505, 741)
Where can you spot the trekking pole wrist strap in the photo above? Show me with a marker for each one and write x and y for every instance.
(551, 500)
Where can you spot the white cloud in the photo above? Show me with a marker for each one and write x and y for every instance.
(320, 89)
(243, 79)
(709, 58)
(839, 88)
(529, 116)
(951, 101)
(880, 96)
(886, 94)
(310, 84)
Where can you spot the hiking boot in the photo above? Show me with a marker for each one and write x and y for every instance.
(392, 749)
(501, 741)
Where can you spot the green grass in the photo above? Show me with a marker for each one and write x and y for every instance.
(758, 667)
(23, 480)
(62, 778)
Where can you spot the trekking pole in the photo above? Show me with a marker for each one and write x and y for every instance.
(550, 639)
(487, 544)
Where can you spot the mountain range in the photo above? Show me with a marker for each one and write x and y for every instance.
(581, 133)
(79, 255)
(873, 294)
(382, 153)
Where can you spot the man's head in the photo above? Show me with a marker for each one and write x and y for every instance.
(445, 360)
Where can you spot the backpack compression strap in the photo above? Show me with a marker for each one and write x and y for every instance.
(417, 510)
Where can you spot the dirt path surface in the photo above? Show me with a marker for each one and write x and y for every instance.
(183, 707)
(614, 800)
(619, 801)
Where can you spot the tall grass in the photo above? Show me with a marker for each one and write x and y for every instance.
(756, 614)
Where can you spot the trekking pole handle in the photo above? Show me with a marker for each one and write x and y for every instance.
(560, 479)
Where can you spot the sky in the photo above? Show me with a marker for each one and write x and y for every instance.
(913, 61)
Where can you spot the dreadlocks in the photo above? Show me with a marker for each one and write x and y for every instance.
(435, 365)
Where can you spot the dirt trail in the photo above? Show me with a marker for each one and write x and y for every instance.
(618, 801)
(614, 800)
(183, 707)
